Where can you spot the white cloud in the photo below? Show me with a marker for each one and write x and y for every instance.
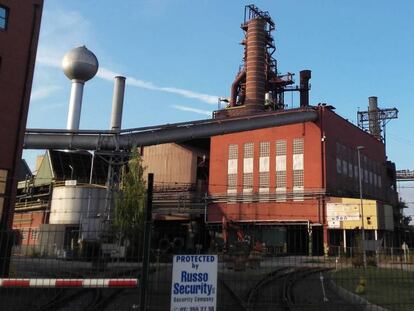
(199, 111)
(43, 92)
(51, 106)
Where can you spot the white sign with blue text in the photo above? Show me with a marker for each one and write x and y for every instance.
(194, 283)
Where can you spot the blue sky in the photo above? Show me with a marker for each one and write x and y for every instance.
(179, 56)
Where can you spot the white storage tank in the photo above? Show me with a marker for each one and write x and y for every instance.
(70, 204)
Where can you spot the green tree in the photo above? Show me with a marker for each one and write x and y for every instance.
(399, 216)
(130, 203)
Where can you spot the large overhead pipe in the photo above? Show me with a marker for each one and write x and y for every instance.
(104, 140)
(374, 127)
(79, 65)
(117, 103)
(305, 76)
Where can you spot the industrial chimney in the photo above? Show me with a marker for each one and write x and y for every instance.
(79, 65)
(117, 103)
(258, 86)
(305, 76)
(256, 64)
(374, 126)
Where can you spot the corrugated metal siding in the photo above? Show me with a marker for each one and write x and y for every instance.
(170, 164)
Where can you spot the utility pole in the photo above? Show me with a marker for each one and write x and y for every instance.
(147, 243)
(364, 255)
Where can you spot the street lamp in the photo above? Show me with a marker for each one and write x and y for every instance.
(71, 172)
(364, 256)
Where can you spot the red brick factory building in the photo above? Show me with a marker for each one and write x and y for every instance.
(19, 32)
(295, 186)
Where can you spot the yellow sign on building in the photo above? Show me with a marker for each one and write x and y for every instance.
(345, 213)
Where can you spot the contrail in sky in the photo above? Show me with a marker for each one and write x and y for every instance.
(108, 75)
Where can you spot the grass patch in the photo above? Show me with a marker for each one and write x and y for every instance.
(390, 288)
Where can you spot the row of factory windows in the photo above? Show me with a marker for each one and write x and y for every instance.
(264, 168)
(347, 166)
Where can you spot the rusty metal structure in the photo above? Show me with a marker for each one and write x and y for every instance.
(258, 86)
(375, 119)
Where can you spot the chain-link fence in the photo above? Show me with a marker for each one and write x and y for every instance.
(259, 268)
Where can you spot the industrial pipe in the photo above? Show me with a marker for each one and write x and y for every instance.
(169, 133)
(117, 103)
(305, 76)
(233, 93)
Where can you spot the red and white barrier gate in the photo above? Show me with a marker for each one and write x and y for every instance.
(62, 283)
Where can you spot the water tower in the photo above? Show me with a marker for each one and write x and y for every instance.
(79, 65)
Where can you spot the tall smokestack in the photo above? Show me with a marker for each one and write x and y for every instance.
(79, 65)
(374, 127)
(305, 76)
(117, 103)
(256, 64)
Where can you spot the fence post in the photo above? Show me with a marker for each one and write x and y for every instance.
(147, 240)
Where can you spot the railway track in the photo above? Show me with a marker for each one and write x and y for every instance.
(275, 291)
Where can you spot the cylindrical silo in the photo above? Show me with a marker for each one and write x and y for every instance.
(70, 204)
(256, 64)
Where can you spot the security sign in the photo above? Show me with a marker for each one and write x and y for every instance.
(194, 283)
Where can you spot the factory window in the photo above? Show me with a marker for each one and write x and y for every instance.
(350, 169)
(35, 234)
(3, 180)
(264, 149)
(281, 147)
(233, 151)
(344, 167)
(298, 178)
(24, 234)
(248, 182)
(338, 165)
(248, 150)
(232, 169)
(281, 170)
(264, 180)
(4, 15)
(248, 168)
(298, 169)
(298, 146)
(264, 168)
(281, 179)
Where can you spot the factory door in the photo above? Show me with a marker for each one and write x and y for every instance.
(317, 241)
(297, 239)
